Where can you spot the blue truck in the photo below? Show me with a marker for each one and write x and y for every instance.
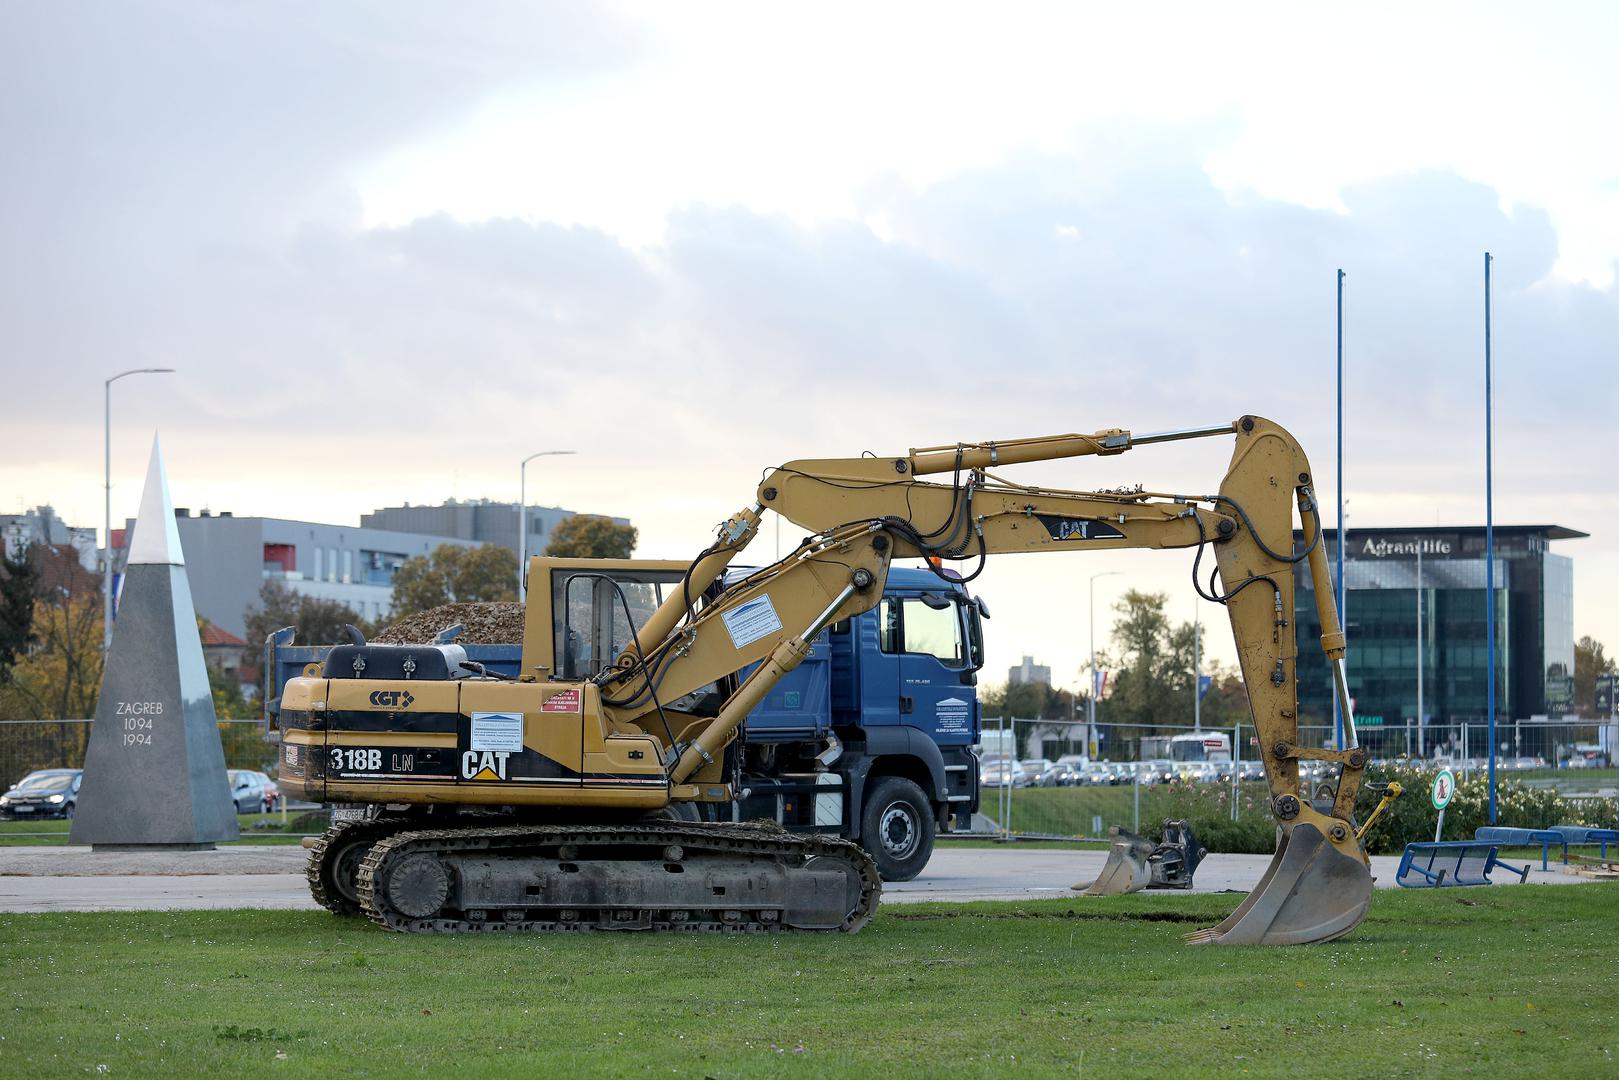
(870, 738)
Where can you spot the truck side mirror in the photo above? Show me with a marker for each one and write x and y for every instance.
(975, 631)
(936, 601)
(983, 608)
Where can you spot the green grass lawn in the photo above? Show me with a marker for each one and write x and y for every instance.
(1485, 982)
(256, 829)
(1072, 811)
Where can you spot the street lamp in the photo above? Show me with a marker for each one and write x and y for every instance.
(1090, 701)
(522, 518)
(106, 569)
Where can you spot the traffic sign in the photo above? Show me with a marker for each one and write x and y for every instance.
(1444, 788)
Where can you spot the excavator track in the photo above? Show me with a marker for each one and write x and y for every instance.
(717, 878)
(334, 864)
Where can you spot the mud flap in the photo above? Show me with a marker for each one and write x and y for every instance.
(1126, 869)
(1310, 892)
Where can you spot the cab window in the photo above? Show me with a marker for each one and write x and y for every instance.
(888, 626)
(911, 626)
(933, 632)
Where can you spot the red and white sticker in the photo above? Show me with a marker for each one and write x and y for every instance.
(567, 701)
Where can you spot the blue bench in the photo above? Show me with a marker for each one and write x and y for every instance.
(1579, 834)
(1500, 834)
(1450, 862)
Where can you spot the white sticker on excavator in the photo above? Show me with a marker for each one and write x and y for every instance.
(751, 621)
(497, 732)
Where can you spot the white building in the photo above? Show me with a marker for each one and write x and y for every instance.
(41, 526)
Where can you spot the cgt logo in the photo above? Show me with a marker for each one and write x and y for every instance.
(392, 699)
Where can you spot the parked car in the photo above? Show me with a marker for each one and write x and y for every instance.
(1200, 772)
(1030, 772)
(252, 792)
(1098, 774)
(1069, 771)
(995, 771)
(47, 793)
(1157, 771)
(272, 792)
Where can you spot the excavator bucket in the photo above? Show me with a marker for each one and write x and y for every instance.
(1310, 892)
(1126, 869)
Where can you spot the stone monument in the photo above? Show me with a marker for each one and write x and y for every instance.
(154, 773)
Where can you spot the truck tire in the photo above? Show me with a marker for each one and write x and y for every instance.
(896, 828)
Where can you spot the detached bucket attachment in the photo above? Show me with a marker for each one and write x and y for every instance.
(1175, 859)
(1126, 869)
(1310, 892)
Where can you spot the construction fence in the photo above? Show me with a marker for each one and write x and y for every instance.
(27, 745)
(1135, 777)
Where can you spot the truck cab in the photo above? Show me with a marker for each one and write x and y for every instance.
(871, 735)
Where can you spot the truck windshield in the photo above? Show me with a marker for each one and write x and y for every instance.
(921, 629)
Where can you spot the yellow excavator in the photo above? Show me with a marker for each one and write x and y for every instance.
(557, 802)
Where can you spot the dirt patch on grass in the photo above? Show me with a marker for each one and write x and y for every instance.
(1069, 913)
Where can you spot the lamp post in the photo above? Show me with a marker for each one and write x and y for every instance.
(106, 477)
(1090, 701)
(522, 518)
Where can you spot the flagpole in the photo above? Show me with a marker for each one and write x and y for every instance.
(1489, 533)
(1197, 676)
(1343, 596)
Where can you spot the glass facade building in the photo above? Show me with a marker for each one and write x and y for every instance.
(1416, 614)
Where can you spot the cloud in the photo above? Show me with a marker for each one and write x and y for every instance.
(188, 203)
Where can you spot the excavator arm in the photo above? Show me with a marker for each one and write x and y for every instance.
(863, 512)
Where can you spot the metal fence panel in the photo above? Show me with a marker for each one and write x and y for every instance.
(27, 745)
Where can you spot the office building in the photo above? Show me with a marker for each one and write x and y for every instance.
(1391, 575)
(228, 560)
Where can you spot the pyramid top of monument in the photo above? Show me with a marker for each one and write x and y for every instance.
(157, 540)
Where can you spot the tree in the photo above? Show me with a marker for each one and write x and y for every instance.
(590, 536)
(319, 621)
(59, 678)
(1590, 660)
(453, 574)
(18, 586)
(1153, 660)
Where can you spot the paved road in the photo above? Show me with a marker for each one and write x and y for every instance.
(76, 879)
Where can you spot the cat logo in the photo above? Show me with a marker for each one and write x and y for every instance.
(1064, 529)
(390, 699)
(484, 765)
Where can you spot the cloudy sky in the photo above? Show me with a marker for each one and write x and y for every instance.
(394, 248)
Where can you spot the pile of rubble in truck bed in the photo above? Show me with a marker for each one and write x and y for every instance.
(486, 624)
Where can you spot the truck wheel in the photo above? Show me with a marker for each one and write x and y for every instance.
(897, 828)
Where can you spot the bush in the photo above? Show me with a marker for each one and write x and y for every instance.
(1207, 807)
(1413, 817)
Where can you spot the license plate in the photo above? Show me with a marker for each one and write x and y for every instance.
(22, 809)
